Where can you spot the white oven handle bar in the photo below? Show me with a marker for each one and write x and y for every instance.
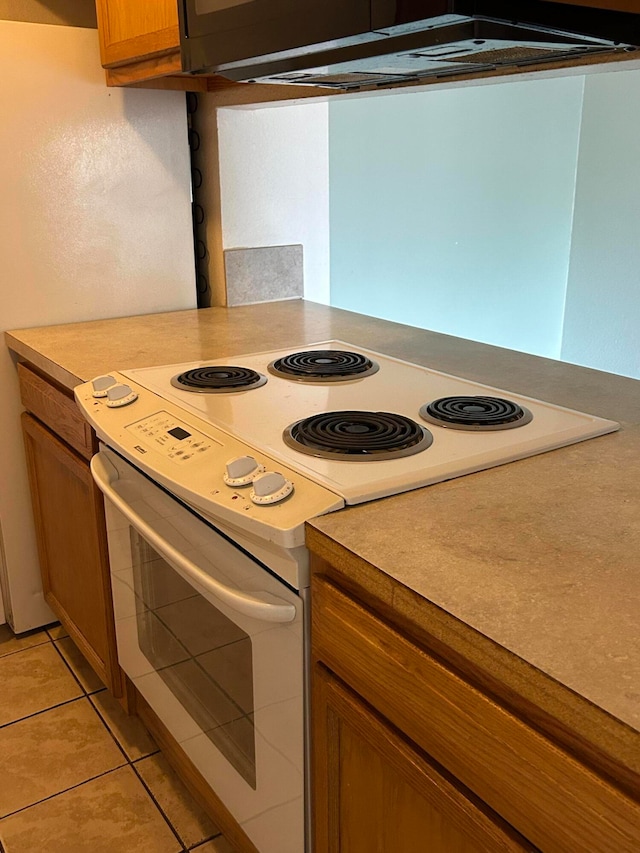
(105, 474)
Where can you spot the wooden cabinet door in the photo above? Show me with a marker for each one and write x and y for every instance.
(137, 29)
(374, 792)
(70, 530)
(543, 790)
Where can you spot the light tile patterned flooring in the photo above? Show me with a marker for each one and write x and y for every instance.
(76, 773)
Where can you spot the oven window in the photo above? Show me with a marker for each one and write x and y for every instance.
(204, 658)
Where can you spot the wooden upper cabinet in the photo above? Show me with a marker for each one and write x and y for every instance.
(140, 46)
(140, 42)
(138, 30)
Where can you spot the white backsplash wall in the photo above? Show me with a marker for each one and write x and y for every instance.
(274, 173)
(602, 314)
(452, 210)
(506, 213)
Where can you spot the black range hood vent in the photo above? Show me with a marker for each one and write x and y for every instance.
(476, 36)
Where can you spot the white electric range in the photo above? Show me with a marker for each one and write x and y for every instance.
(254, 422)
(252, 447)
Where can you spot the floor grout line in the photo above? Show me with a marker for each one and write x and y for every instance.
(59, 793)
(158, 806)
(84, 693)
(26, 649)
(43, 711)
(68, 665)
(127, 761)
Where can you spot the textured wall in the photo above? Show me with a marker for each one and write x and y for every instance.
(95, 222)
(275, 184)
(74, 13)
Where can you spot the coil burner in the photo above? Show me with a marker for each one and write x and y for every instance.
(323, 366)
(357, 436)
(475, 413)
(216, 379)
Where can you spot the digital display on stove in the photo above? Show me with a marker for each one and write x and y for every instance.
(179, 433)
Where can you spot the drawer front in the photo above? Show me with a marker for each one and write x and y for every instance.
(55, 409)
(542, 791)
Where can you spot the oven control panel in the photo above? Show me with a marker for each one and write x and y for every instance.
(225, 479)
(173, 438)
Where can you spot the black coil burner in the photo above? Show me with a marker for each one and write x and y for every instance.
(475, 413)
(323, 366)
(218, 379)
(357, 436)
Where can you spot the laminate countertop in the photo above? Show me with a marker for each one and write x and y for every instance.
(531, 570)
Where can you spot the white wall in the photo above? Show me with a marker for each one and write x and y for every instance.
(275, 184)
(507, 213)
(452, 210)
(73, 13)
(95, 222)
(602, 316)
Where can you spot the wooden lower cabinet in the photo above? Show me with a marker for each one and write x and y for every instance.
(70, 530)
(409, 757)
(375, 792)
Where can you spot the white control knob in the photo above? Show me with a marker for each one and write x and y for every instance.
(120, 395)
(270, 488)
(101, 384)
(241, 471)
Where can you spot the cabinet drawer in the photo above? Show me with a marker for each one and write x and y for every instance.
(545, 793)
(55, 409)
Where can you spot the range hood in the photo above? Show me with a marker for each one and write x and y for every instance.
(421, 39)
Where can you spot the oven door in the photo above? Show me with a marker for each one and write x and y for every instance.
(219, 33)
(214, 643)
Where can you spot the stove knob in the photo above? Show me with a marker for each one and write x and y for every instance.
(241, 471)
(101, 384)
(270, 488)
(120, 395)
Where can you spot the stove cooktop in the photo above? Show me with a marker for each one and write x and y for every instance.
(232, 455)
(481, 427)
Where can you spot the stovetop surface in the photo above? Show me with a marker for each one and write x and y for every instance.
(260, 415)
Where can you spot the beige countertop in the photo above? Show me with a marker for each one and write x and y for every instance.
(533, 567)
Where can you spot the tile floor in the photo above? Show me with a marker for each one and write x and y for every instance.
(76, 773)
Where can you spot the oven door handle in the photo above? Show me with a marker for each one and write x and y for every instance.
(105, 474)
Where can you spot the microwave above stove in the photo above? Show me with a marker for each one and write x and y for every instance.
(351, 44)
